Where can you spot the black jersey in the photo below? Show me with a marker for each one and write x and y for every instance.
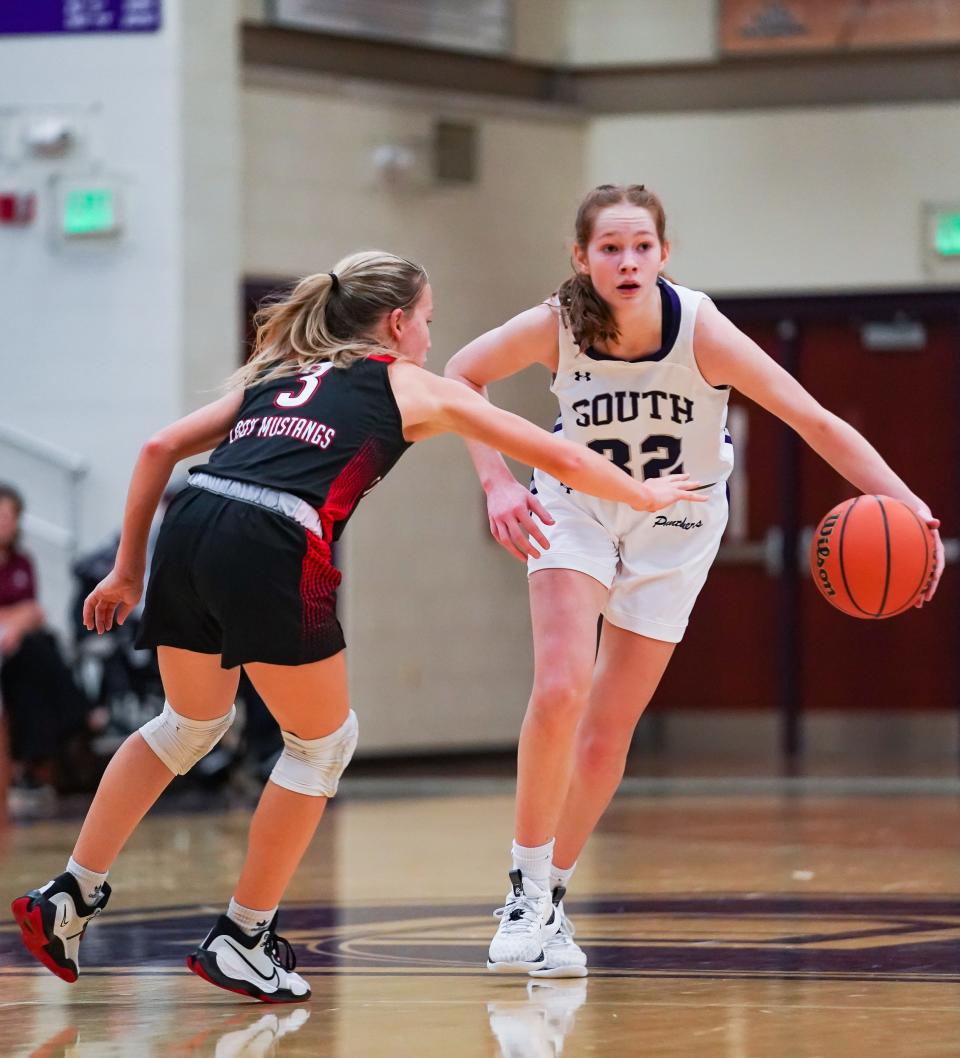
(327, 436)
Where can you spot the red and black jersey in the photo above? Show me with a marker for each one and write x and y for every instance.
(327, 437)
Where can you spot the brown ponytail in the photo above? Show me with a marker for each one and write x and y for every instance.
(586, 314)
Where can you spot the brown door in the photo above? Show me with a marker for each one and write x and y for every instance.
(905, 402)
(729, 657)
(760, 635)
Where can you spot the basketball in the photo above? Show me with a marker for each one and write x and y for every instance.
(871, 557)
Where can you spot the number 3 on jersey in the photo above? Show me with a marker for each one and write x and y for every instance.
(308, 386)
(666, 461)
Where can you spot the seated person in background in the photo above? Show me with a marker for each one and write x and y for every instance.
(41, 704)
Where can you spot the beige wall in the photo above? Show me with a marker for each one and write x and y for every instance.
(252, 10)
(540, 30)
(435, 612)
(640, 32)
(210, 191)
(791, 199)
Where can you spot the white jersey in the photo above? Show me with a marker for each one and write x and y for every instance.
(652, 416)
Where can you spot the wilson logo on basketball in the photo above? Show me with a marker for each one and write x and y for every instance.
(823, 552)
(872, 557)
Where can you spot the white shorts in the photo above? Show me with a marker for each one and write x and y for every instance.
(653, 564)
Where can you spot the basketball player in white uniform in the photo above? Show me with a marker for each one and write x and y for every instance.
(642, 369)
(653, 416)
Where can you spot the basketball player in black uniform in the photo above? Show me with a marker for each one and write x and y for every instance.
(242, 576)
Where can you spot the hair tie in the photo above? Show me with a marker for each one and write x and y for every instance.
(334, 282)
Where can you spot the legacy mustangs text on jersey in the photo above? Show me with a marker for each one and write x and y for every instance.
(327, 436)
(652, 416)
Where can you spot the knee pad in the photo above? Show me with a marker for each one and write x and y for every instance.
(314, 766)
(179, 741)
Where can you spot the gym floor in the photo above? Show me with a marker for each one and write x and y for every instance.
(782, 918)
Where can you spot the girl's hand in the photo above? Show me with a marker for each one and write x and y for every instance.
(113, 598)
(669, 489)
(11, 636)
(933, 524)
(510, 508)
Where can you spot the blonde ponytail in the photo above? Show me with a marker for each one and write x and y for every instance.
(330, 317)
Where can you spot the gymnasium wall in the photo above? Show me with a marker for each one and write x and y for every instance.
(104, 341)
(103, 347)
(790, 200)
(435, 613)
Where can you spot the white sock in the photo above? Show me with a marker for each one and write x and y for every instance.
(90, 881)
(534, 862)
(249, 919)
(561, 876)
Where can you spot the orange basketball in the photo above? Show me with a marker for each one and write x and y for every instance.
(871, 557)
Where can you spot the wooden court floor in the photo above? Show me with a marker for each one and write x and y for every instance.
(786, 924)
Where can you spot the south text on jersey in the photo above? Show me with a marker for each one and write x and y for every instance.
(627, 405)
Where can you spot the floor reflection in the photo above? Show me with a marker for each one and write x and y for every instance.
(537, 1025)
(259, 1035)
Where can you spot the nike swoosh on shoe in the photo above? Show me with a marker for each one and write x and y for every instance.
(274, 979)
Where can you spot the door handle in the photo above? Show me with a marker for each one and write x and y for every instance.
(767, 553)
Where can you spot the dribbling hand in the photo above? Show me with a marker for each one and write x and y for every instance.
(510, 509)
(111, 600)
(933, 524)
(658, 493)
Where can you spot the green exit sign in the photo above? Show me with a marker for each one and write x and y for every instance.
(946, 234)
(91, 211)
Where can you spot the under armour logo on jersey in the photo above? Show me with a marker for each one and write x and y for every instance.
(581, 376)
(567, 487)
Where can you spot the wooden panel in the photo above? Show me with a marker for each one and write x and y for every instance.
(763, 26)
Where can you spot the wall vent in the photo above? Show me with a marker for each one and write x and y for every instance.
(454, 153)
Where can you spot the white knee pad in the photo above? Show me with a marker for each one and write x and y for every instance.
(179, 741)
(314, 766)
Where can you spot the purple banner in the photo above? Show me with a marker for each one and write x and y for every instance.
(79, 16)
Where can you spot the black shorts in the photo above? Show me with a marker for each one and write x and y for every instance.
(234, 579)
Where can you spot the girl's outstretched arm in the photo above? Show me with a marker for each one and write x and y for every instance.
(119, 592)
(726, 356)
(430, 405)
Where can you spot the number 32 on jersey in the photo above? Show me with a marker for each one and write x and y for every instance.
(665, 451)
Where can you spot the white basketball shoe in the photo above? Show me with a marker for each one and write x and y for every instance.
(526, 919)
(562, 956)
(260, 966)
(53, 920)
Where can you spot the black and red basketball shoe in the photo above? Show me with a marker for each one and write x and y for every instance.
(260, 966)
(53, 920)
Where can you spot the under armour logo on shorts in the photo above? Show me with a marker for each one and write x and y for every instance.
(581, 376)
